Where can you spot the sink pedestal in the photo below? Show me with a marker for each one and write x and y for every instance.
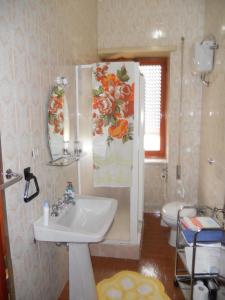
(81, 276)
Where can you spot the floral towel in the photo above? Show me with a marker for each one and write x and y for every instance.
(113, 118)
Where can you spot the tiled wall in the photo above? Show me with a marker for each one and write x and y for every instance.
(212, 177)
(39, 40)
(132, 24)
(42, 39)
(155, 187)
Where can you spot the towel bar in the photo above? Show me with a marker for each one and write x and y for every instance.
(10, 174)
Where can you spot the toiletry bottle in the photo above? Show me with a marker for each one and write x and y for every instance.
(70, 190)
(46, 213)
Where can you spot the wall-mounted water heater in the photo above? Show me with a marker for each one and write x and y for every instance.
(204, 57)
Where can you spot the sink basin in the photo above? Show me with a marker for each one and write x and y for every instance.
(78, 225)
(85, 222)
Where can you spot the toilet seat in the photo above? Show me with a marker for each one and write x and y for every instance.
(170, 210)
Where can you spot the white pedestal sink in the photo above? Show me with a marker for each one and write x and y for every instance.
(80, 224)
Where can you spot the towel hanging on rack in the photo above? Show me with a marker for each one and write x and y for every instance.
(113, 122)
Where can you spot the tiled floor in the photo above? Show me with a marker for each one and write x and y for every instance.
(157, 259)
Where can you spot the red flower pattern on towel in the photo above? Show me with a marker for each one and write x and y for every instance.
(113, 103)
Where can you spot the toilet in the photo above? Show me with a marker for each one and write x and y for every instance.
(169, 217)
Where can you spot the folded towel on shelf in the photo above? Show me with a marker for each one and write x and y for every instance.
(197, 223)
(209, 237)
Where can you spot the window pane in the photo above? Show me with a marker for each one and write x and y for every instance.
(152, 75)
(152, 142)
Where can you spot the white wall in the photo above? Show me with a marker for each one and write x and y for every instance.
(131, 24)
(212, 177)
(39, 40)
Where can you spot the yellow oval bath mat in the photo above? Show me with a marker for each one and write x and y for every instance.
(127, 285)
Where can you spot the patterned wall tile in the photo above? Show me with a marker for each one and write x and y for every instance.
(212, 177)
(133, 24)
(39, 40)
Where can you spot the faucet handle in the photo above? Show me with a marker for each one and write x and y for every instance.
(55, 210)
(60, 203)
(66, 198)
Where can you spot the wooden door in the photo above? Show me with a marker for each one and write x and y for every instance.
(3, 283)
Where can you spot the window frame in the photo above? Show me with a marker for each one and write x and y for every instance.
(163, 62)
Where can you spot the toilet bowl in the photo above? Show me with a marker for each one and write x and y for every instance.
(169, 217)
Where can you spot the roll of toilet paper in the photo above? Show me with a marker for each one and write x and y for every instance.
(221, 293)
(201, 292)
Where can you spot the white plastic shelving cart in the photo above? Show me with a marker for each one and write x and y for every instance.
(187, 272)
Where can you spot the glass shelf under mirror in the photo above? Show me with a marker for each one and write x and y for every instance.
(64, 160)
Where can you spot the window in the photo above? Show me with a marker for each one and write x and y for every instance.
(155, 74)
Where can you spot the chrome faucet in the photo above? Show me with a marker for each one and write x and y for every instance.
(60, 204)
(67, 199)
(57, 207)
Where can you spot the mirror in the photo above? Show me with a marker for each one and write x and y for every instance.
(58, 123)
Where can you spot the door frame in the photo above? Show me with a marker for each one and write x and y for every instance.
(3, 282)
(6, 247)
